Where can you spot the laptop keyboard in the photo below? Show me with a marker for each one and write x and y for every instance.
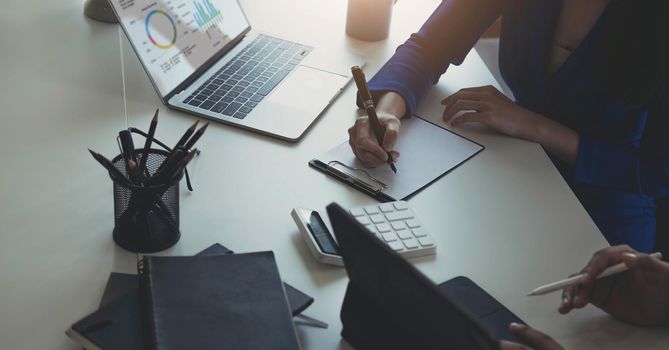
(249, 77)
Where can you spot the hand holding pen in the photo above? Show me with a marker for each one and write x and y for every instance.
(374, 124)
(628, 285)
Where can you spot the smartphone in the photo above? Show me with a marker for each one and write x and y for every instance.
(317, 233)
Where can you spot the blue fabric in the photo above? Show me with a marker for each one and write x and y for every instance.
(621, 163)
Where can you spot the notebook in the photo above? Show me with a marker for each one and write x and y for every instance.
(244, 308)
(116, 325)
(427, 152)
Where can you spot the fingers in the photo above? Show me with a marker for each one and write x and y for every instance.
(463, 105)
(364, 144)
(473, 93)
(598, 263)
(507, 345)
(533, 337)
(579, 295)
(390, 135)
(645, 263)
(471, 117)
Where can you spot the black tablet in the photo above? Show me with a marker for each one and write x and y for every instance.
(390, 304)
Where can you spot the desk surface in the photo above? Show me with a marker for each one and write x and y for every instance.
(506, 218)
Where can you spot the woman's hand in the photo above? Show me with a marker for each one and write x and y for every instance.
(389, 109)
(536, 339)
(488, 106)
(639, 296)
(364, 143)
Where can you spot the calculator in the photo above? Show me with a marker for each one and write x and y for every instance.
(394, 223)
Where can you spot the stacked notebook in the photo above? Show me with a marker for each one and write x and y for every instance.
(215, 300)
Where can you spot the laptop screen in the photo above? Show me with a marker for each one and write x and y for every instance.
(173, 38)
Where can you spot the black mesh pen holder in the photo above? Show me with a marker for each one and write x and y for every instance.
(146, 218)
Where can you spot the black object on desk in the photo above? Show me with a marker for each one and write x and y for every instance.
(146, 218)
(389, 304)
(146, 188)
(234, 301)
(116, 325)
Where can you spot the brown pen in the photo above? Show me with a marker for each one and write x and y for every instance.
(368, 103)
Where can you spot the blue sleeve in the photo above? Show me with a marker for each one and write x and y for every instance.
(606, 165)
(446, 38)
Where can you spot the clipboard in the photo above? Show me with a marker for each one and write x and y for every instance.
(427, 152)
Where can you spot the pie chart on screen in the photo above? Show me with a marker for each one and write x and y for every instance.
(160, 29)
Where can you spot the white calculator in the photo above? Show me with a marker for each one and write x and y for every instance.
(393, 223)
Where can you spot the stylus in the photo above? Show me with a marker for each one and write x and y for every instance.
(551, 287)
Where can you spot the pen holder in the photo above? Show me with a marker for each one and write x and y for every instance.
(146, 218)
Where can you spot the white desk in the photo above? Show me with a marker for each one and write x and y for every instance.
(506, 218)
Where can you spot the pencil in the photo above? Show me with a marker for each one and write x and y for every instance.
(196, 137)
(612, 270)
(147, 145)
(186, 135)
(366, 96)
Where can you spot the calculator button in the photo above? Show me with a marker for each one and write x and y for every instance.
(372, 209)
(419, 233)
(399, 215)
(410, 243)
(377, 219)
(363, 220)
(389, 237)
(396, 246)
(371, 228)
(399, 225)
(387, 207)
(357, 212)
(404, 234)
(378, 235)
(413, 223)
(425, 241)
(383, 228)
(401, 205)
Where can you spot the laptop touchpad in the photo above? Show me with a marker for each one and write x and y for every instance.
(296, 102)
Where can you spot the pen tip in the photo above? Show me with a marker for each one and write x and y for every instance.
(392, 166)
(155, 115)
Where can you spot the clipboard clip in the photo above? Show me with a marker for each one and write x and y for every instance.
(357, 177)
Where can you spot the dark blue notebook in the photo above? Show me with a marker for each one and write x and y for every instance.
(116, 325)
(244, 307)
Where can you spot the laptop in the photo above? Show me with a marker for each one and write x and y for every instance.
(203, 58)
(389, 304)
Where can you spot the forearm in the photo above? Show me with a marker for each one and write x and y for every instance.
(392, 103)
(556, 138)
(445, 38)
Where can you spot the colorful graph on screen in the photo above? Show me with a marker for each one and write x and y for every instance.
(160, 29)
(206, 14)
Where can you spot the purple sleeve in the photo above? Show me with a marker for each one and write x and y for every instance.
(445, 38)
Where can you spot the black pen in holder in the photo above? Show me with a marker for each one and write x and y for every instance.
(146, 217)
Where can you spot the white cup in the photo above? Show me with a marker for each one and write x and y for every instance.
(369, 20)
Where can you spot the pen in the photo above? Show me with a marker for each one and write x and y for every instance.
(147, 145)
(366, 96)
(551, 287)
